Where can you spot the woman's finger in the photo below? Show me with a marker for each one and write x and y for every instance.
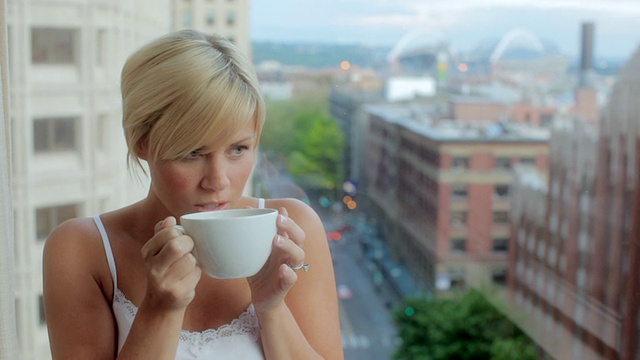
(291, 253)
(289, 229)
(182, 268)
(288, 278)
(162, 234)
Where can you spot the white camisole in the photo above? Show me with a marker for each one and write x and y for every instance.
(238, 340)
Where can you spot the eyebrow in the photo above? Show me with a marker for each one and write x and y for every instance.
(245, 139)
(250, 137)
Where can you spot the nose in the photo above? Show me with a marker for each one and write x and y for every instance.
(215, 175)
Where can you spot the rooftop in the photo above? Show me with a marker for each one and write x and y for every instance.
(417, 119)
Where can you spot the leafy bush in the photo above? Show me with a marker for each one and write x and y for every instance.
(464, 327)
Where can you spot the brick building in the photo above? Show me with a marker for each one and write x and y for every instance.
(441, 192)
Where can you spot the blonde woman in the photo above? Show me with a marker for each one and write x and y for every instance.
(124, 284)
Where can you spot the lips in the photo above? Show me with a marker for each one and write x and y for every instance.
(210, 206)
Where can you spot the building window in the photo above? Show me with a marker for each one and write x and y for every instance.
(457, 278)
(503, 163)
(54, 134)
(54, 45)
(210, 18)
(459, 191)
(460, 163)
(231, 18)
(500, 245)
(499, 277)
(458, 218)
(458, 245)
(49, 217)
(527, 161)
(101, 47)
(546, 120)
(186, 18)
(102, 133)
(501, 217)
(501, 191)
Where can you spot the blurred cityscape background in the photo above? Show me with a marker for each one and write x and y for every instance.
(502, 178)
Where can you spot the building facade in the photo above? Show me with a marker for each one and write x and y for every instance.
(575, 273)
(229, 18)
(441, 193)
(69, 154)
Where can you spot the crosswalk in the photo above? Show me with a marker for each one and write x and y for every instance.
(355, 341)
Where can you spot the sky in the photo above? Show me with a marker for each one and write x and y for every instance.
(465, 23)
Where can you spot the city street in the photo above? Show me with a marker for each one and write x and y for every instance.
(367, 326)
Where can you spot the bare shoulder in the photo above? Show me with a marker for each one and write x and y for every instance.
(298, 210)
(74, 248)
(77, 291)
(71, 237)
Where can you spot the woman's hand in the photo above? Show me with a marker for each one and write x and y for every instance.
(270, 285)
(172, 271)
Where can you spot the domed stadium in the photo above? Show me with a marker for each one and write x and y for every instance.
(418, 52)
(520, 51)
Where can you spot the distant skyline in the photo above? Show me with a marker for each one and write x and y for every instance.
(466, 23)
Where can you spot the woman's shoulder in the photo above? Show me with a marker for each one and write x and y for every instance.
(74, 242)
(296, 208)
(74, 254)
(73, 230)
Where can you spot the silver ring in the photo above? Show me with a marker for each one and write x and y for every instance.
(303, 266)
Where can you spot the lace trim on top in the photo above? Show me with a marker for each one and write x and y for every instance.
(245, 325)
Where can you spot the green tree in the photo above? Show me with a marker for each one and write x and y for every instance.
(513, 348)
(302, 134)
(320, 142)
(463, 327)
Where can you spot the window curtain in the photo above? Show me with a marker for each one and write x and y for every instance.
(8, 338)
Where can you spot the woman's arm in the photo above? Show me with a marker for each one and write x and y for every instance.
(305, 325)
(172, 275)
(79, 316)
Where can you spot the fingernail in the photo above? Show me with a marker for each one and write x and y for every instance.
(280, 239)
(283, 219)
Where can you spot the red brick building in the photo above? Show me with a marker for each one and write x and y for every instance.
(441, 193)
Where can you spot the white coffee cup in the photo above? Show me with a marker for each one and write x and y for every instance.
(232, 243)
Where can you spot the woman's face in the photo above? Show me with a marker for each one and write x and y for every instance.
(211, 177)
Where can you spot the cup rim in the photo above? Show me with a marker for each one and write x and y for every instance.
(229, 214)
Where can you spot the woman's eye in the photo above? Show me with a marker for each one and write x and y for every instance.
(194, 154)
(238, 150)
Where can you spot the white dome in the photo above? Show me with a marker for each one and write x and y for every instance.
(518, 39)
(418, 41)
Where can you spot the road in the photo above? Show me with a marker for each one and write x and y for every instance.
(368, 331)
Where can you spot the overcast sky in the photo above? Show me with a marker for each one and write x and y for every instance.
(464, 22)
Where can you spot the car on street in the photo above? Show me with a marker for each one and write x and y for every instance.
(344, 292)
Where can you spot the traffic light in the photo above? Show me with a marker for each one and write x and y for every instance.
(409, 311)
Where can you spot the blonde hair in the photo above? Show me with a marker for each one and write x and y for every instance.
(186, 88)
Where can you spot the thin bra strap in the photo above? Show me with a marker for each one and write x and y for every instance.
(108, 251)
(261, 203)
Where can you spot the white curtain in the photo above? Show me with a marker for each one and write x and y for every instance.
(8, 342)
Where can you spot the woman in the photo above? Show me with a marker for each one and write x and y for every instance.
(125, 284)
